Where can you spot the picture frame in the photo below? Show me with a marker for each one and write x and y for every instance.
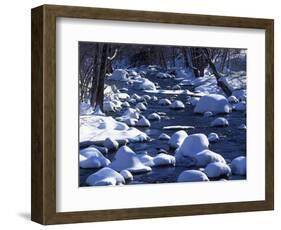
(44, 123)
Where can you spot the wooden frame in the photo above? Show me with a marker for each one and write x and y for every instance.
(43, 208)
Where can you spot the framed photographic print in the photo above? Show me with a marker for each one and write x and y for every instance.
(140, 114)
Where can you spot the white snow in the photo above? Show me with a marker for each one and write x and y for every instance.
(105, 176)
(205, 157)
(126, 158)
(109, 106)
(164, 136)
(213, 137)
(219, 122)
(145, 84)
(85, 109)
(125, 104)
(207, 85)
(141, 106)
(126, 174)
(92, 158)
(192, 176)
(177, 104)
(154, 117)
(232, 99)
(214, 103)
(239, 166)
(131, 113)
(119, 75)
(143, 122)
(131, 121)
(111, 144)
(161, 159)
(164, 101)
(217, 169)
(177, 139)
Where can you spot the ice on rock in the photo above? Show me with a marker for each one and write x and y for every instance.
(141, 106)
(194, 101)
(119, 75)
(164, 136)
(192, 176)
(126, 158)
(238, 166)
(241, 106)
(208, 114)
(215, 103)
(177, 139)
(177, 105)
(217, 169)
(92, 158)
(126, 174)
(105, 176)
(164, 159)
(193, 144)
(213, 137)
(232, 99)
(164, 101)
(219, 122)
(110, 143)
(143, 122)
(154, 117)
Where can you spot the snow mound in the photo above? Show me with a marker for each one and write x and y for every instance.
(164, 159)
(232, 99)
(126, 158)
(239, 166)
(213, 137)
(217, 169)
(219, 122)
(126, 174)
(164, 136)
(110, 144)
(119, 75)
(143, 122)
(208, 114)
(177, 105)
(164, 101)
(192, 176)
(141, 106)
(177, 139)
(146, 84)
(154, 117)
(214, 103)
(105, 176)
(241, 106)
(207, 156)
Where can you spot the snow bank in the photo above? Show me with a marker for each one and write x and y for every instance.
(154, 117)
(239, 166)
(177, 139)
(119, 75)
(105, 176)
(192, 176)
(177, 105)
(214, 103)
(219, 122)
(126, 158)
(217, 169)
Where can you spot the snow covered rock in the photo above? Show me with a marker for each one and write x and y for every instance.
(109, 106)
(192, 176)
(126, 174)
(214, 102)
(194, 101)
(105, 176)
(131, 113)
(213, 137)
(92, 158)
(232, 99)
(208, 114)
(126, 158)
(164, 159)
(217, 169)
(241, 106)
(177, 105)
(205, 157)
(146, 159)
(146, 97)
(154, 98)
(164, 136)
(164, 101)
(143, 122)
(177, 139)
(136, 97)
(239, 166)
(126, 104)
(154, 117)
(110, 143)
(141, 106)
(219, 122)
(131, 121)
(119, 75)
(146, 85)
(242, 126)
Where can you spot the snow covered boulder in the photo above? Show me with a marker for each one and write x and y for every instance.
(119, 75)
(164, 136)
(110, 144)
(131, 113)
(177, 139)
(136, 97)
(219, 122)
(208, 114)
(215, 103)
(131, 121)
(232, 99)
(154, 117)
(143, 122)
(192, 176)
(126, 174)
(177, 105)
(146, 85)
(164, 101)
(141, 106)
(126, 158)
(126, 104)
(213, 137)
(92, 158)
(193, 144)
(154, 98)
(146, 159)
(239, 166)
(217, 169)
(207, 156)
(164, 159)
(105, 176)
(241, 106)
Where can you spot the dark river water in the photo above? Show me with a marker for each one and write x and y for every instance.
(232, 142)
